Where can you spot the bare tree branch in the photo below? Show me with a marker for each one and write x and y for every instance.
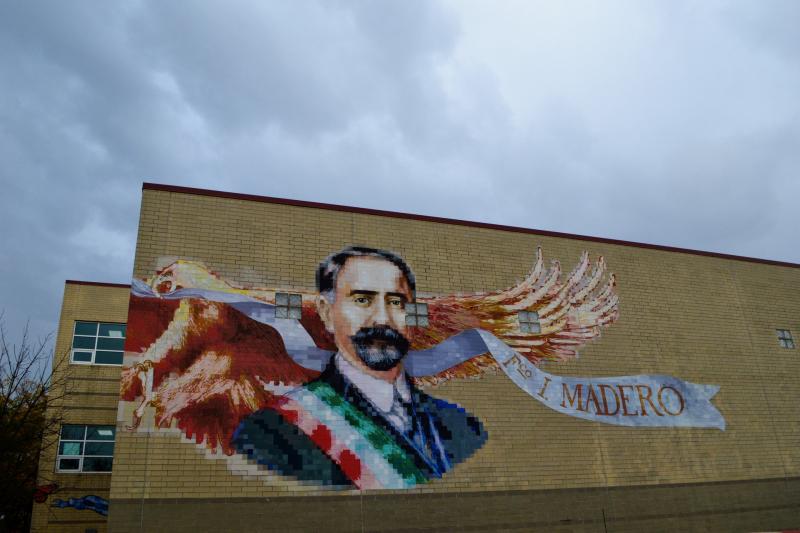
(33, 385)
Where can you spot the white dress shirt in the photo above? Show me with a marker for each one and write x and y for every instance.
(385, 396)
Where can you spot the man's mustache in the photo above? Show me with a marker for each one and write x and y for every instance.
(381, 334)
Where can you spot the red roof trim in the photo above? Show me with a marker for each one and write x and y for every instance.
(98, 284)
(442, 220)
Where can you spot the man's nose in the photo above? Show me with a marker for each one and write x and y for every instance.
(381, 315)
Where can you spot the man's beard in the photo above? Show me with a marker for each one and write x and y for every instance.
(380, 348)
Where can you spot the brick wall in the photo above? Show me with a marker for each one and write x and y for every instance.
(702, 319)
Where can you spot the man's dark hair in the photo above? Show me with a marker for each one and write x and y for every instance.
(329, 268)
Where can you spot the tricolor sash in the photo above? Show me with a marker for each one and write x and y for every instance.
(365, 452)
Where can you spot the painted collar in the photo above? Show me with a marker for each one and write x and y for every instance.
(377, 391)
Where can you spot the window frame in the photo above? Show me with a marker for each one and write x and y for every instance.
(97, 338)
(294, 302)
(785, 339)
(82, 456)
(529, 322)
(415, 312)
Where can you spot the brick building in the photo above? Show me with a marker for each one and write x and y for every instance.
(91, 403)
(648, 390)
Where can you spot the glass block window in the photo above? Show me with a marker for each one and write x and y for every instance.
(417, 315)
(83, 448)
(288, 305)
(98, 343)
(529, 322)
(785, 338)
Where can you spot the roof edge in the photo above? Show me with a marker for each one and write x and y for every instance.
(453, 221)
(98, 283)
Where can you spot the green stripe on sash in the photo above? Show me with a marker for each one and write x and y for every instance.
(382, 441)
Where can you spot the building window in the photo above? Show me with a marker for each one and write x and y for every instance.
(529, 322)
(417, 315)
(84, 448)
(785, 338)
(288, 305)
(98, 343)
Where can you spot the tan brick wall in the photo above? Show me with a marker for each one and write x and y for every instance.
(699, 318)
(92, 398)
(725, 507)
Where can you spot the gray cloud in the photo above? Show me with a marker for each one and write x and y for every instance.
(672, 123)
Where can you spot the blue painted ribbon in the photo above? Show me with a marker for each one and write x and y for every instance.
(641, 400)
(91, 503)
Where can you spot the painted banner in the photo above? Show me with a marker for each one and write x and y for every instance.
(643, 400)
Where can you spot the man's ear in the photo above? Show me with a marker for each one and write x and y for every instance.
(325, 313)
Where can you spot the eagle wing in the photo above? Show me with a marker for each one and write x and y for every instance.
(561, 315)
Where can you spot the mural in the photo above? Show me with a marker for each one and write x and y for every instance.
(327, 387)
(89, 503)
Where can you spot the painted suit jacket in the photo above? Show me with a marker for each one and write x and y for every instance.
(327, 432)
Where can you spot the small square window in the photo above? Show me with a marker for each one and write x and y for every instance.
(73, 432)
(70, 448)
(102, 357)
(417, 315)
(115, 331)
(529, 322)
(81, 357)
(98, 448)
(288, 305)
(100, 432)
(67, 465)
(86, 328)
(97, 464)
(785, 338)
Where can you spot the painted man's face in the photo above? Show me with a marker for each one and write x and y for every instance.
(367, 316)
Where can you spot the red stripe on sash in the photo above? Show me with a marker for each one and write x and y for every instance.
(352, 467)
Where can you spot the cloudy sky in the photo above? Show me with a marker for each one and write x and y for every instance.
(665, 122)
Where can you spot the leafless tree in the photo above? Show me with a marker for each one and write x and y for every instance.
(32, 389)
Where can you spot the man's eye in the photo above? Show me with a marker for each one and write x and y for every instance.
(362, 300)
(396, 302)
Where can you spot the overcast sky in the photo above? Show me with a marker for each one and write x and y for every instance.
(668, 122)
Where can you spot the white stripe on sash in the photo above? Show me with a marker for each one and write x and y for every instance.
(350, 437)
